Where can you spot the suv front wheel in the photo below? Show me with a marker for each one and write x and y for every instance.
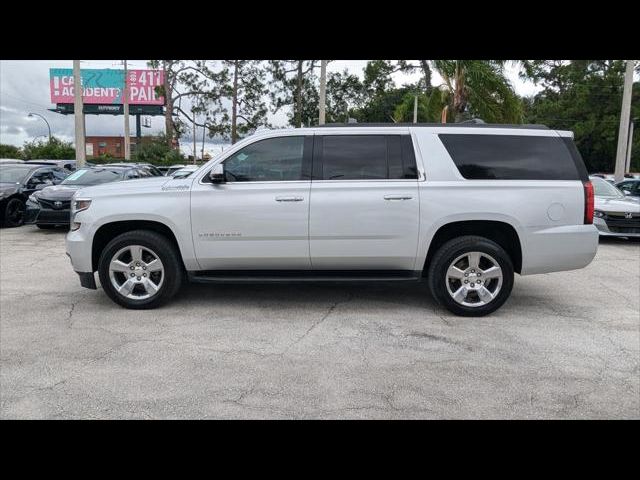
(471, 276)
(140, 269)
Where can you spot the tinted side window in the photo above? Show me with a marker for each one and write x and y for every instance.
(366, 157)
(269, 160)
(510, 157)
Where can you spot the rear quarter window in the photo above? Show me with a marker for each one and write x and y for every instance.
(512, 157)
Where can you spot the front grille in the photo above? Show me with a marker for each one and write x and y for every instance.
(64, 204)
(618, 223)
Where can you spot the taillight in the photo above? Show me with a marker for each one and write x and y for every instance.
(588, 202)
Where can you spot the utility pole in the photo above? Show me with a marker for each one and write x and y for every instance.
(415, 109)
(627, 166)
(81, 154)
(323, 91)
(127, 139)
(623, 131)
(194, 137)
(204, 130)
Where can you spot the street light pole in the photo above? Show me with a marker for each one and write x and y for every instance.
(45, 121)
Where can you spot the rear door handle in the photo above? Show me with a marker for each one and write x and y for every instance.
(289, 199)
(398, 197)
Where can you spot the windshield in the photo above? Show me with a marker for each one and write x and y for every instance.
(90, 176)
(602, 188)
(10, 174)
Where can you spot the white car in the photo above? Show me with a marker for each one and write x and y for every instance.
(460, 206)
(185, 172)
(615, 214)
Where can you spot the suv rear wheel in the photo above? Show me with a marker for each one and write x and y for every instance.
(140, 269)
(471, 276)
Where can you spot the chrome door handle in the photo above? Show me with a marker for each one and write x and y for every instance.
(398, 197)
(289, 199)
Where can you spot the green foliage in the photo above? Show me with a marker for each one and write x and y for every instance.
(53, 149)
(10, 151)
(430, 105)
(157, 152)
(478, 88)
(584, 96)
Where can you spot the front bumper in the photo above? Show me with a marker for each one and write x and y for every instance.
(605, 231)
(44, 216)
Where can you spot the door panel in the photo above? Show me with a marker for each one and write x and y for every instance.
(353, 226)
(247, 226)
(259, 218)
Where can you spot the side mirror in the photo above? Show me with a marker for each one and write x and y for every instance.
(626, 192)
(216, 174)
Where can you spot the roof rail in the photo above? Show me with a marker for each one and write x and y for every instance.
(443, 125)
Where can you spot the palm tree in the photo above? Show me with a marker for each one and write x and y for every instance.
(477, 88)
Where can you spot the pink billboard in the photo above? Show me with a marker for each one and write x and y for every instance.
(105, 86)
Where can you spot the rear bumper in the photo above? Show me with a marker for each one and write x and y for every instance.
(556, 249)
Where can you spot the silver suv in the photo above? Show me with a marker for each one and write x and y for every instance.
(461, 207)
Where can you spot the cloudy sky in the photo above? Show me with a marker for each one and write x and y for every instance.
(24, 88)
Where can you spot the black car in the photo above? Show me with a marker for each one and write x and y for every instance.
(66, 164)
(51, 206)
(630, 187)
(17, 182)
(150, 169)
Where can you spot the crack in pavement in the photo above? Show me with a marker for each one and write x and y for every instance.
(324, 317)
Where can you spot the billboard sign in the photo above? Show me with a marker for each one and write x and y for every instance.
(106, 86)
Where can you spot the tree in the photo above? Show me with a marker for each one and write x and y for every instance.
(478, 88)
(54, 149)
(583, 96)
(156, 151)
(194, 80)
(294, 86)
(247, 91)
(10, 151)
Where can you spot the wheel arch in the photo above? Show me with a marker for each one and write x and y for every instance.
(108, 231)
(499, 231)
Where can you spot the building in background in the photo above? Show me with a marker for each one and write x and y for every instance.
(110, 146)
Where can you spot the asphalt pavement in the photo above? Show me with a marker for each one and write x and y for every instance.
(565, 345)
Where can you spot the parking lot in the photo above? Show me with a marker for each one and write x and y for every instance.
(566, 345)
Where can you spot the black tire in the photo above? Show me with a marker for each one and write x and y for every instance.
(14, 213)
(173, 269)
(447, 253)
(43, 226)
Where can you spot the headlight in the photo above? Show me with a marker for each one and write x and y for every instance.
(598, 213)
(78, 205)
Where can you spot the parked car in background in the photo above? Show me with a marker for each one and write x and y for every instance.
(18, 181)
(461, 207)
(614, 214)
(66, 164)
(172, 169)
(10, 160)
(152, 170)
(50, 206)
(630, 187)
(163, 169)
(185, 172)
